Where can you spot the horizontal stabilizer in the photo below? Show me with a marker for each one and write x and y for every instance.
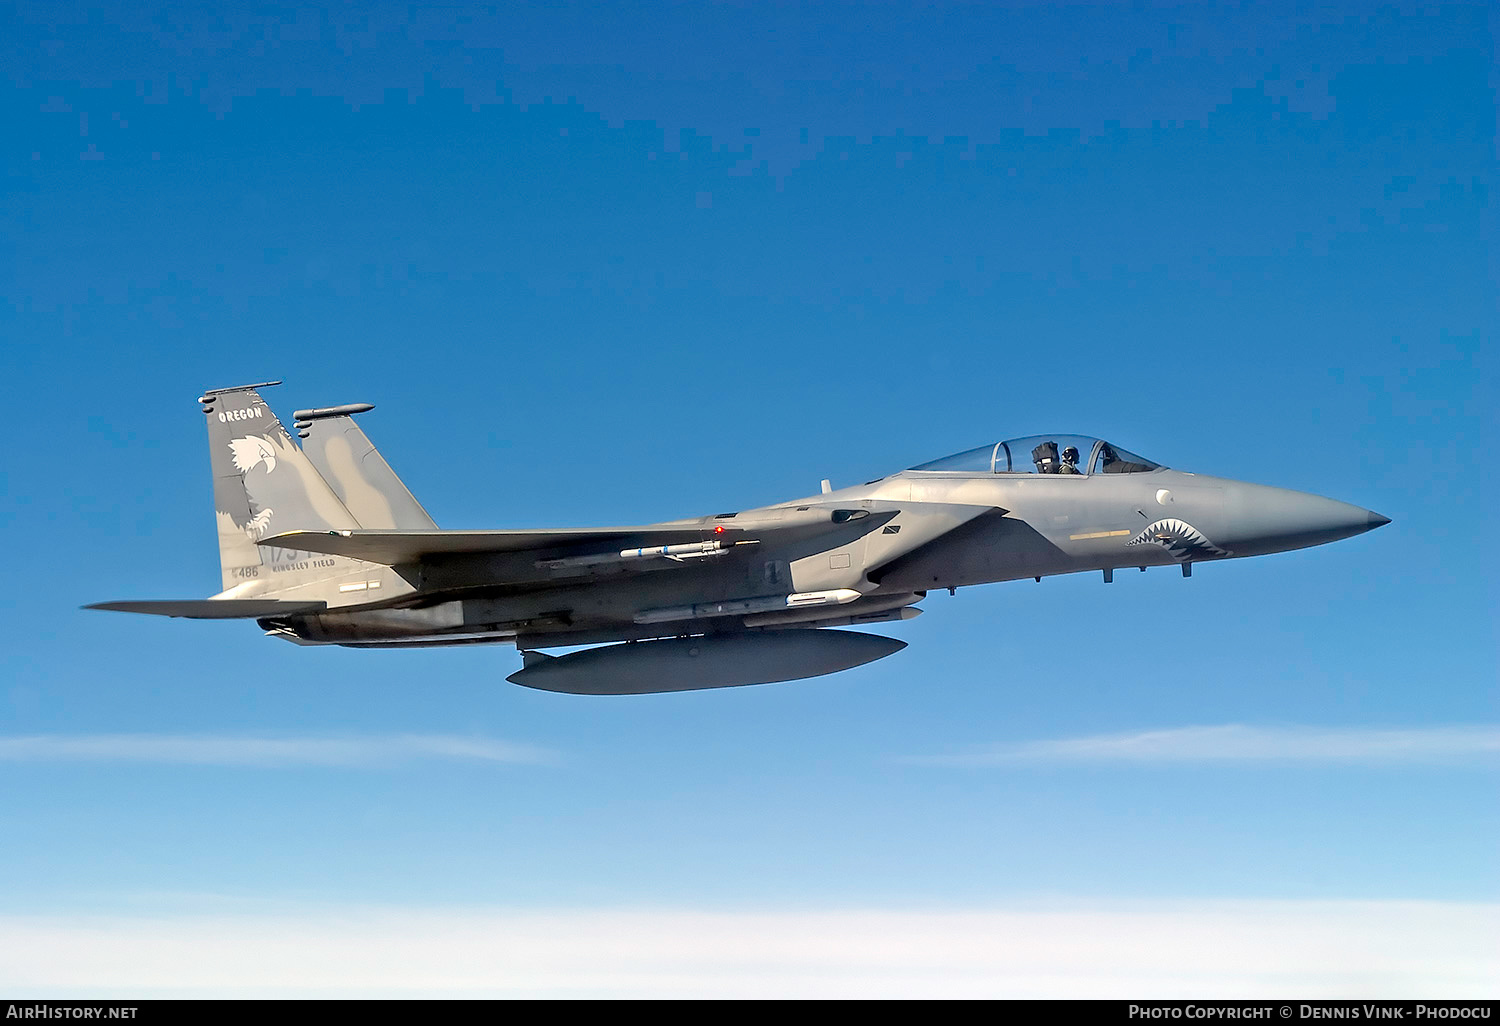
(213, 609)
(393, 548)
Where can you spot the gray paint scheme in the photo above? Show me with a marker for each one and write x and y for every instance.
(684, 664)
(356, 471)
(323, 544)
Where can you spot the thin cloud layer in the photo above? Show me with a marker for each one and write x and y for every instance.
(264, 752)
(1094, 949)
(1233, 743)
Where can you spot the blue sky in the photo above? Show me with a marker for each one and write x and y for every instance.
(610, 265)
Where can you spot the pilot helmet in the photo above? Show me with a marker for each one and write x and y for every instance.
(1070, 454)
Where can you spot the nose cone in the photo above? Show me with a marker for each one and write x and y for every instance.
(1266, 519)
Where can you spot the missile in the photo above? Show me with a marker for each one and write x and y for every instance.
(690, 664)
(860, 619)
(740, 607)
(784, 523)
(869, 611)
(678, 552)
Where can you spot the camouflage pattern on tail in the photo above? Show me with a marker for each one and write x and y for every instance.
(264, 484)
(356, 471)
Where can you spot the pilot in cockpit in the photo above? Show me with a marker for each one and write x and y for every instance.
(1069, 463)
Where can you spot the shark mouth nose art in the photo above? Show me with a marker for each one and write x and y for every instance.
(1180, 538)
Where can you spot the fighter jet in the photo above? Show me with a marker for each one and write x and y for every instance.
(321, 544)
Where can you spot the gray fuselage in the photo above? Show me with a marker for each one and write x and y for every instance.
(322, 544)
(909, 533)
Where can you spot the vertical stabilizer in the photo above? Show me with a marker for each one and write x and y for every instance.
(356, 471)
(263, 485)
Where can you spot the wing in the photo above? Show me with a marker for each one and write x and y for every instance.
(393, 548)
(713, 534)
(809, 526)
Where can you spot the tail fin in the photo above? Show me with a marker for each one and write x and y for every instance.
(356, 471)
(263, 485)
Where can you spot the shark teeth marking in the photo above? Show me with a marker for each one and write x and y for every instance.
(1180, 538)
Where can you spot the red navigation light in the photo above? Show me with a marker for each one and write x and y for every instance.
(718, 529)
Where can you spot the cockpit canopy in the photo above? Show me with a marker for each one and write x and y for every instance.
(1045, 454)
